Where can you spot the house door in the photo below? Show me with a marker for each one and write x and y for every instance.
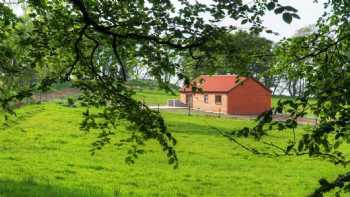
(189, 100)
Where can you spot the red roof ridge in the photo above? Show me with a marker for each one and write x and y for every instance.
(234, 75)
(220, 83)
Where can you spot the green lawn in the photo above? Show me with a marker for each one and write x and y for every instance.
(155, 96)
(45, 154)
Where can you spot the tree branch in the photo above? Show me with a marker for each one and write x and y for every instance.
(114, 46)
(106, 30)
(328, 186)
(321, 50)
(77, 52)
(249, 149)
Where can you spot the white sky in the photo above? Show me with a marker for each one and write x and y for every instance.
(308, 11)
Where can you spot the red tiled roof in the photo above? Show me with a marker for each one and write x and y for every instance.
(214, 83)
(217, 83)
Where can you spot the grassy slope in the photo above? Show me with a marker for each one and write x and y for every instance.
(45, 147)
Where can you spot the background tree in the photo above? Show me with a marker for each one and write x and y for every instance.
(290, 76)
(243, 53)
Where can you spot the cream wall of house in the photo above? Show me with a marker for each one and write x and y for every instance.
(211, 106)
(183, 98)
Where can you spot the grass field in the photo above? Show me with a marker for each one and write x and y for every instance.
(45, 154)
(155, 96)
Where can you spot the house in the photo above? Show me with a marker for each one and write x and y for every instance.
(227, 94)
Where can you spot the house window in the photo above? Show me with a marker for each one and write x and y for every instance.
(218, 99)
(205, 98)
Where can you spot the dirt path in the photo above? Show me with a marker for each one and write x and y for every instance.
(304, 121)
(184, 110)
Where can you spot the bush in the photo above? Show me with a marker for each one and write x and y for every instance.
(71, 102)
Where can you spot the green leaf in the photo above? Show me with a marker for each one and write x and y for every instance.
(271, 6)
(290, 8)
(295, 16)
(289, 148)
(287, 17)
(244, 21)
(279, 10)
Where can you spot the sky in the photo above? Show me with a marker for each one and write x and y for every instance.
(308, 11)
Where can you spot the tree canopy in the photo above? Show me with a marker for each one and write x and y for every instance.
(239, 52)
